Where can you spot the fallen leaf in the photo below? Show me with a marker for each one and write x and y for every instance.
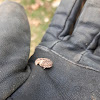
(46, 20)
(34, 36)
(35, 6)
(55, 3)
(34, 22)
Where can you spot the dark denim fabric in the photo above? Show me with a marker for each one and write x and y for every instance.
(14, 48)
(75, 53)
(64, 81)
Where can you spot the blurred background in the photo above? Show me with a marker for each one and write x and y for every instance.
(40, 13)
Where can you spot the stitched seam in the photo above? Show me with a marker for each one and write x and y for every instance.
(55, 25)
(64, 25)
(50, 34)
(67, 19)
(63, 13)
(55, 43)
(87, 49)
(74, 63)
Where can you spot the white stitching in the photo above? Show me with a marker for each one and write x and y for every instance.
(47, 49)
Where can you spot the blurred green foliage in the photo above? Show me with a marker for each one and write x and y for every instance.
(25, 2)
(39, 19)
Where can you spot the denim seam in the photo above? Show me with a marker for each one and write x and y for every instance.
(80, 65)
(82, 55)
